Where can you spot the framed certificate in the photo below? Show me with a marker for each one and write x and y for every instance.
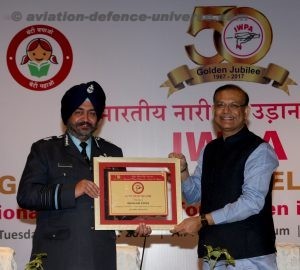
(135, 190)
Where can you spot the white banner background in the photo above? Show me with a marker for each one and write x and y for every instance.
(131, 60)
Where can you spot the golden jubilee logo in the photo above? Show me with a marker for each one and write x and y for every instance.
(241, 37)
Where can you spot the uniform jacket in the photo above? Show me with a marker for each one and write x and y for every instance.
(65, 225)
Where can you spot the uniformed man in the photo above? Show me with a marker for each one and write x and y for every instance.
(57, 182)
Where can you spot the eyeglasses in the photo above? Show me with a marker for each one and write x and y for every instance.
(231, 106)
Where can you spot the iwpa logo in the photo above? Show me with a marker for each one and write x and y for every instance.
(243, 36)
(39, 57)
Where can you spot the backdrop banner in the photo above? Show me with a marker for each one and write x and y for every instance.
(159, 63)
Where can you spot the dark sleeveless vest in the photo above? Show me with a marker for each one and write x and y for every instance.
(222, 180)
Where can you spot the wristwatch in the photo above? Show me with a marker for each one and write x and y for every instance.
(204, 221)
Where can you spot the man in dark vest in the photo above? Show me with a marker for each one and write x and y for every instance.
(57, 182)
(233, 183)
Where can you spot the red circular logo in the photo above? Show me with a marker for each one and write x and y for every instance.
(39, 57)
(243, 36)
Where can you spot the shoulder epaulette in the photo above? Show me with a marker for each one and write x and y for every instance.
(99, 139)
(52, 138)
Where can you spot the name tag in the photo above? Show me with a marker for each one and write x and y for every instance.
(64, 165)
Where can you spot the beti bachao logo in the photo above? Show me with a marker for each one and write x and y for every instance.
(39, 57)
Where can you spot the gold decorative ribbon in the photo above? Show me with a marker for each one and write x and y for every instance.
(182, 75)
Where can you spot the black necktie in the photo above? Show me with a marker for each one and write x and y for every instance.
(83, 152)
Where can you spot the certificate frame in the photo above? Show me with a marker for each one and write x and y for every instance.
(153, 174)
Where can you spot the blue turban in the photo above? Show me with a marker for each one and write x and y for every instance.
(77, 94)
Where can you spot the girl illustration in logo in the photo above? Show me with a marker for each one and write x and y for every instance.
(38, 57)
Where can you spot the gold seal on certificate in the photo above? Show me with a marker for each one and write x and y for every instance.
(134, 190)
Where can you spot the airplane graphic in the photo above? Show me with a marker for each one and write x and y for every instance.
(244, 37)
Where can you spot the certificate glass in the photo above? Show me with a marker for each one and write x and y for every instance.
(135, 190)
